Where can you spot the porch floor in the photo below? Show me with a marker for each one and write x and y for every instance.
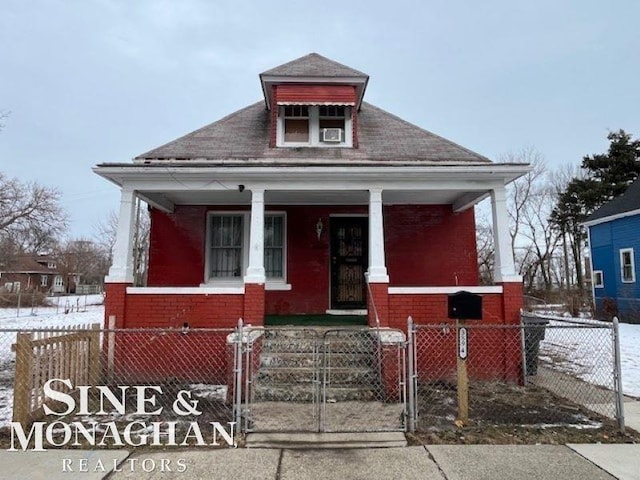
(315, 320)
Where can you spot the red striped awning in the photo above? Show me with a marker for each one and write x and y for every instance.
(315, 95)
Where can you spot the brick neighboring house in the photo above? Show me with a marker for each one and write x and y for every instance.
(310, 201)
(35, 273)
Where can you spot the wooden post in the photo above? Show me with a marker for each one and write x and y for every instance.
(94, 354)
(22, 381)
(111, 352)
(463, 376)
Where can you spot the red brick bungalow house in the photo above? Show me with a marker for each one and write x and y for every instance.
(310, 201)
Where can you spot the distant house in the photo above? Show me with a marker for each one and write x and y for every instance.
(614, 241)
(35, 273)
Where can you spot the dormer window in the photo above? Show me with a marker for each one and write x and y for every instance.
(296, 124)
(314, 126)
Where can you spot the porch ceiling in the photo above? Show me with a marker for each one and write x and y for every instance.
(328, 197)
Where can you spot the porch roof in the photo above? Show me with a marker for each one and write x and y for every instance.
(165, 185)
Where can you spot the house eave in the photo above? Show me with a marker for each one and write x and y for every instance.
(610, 218)
(282, 170)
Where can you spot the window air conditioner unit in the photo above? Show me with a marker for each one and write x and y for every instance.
(332, 135)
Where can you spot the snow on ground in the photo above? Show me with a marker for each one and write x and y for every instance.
(587, 353)
(630, 358)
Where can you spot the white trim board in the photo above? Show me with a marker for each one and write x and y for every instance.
(185, 290)
(443, 290)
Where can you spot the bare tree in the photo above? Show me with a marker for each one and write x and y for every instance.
(539, 234)
(31, 216)
(485, 248)
(106, 237)
(81, 260)
(521, 190)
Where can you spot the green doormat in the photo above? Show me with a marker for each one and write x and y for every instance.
(314, 320)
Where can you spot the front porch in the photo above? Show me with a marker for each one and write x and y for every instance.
(296, 244)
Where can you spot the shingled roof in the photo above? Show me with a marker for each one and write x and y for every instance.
(627, 202)
(313, 65)
(244, 135)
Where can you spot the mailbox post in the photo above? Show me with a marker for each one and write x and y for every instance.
(463, 306)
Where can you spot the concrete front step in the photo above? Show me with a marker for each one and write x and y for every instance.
(326, 440)
(311, 346)
(336, 360)
(296, 375)
(307, 392)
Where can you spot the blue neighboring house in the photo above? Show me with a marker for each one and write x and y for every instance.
(614, 241)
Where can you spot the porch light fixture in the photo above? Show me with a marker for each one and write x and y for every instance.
(319, 227)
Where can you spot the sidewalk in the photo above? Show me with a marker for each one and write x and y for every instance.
(438, 462)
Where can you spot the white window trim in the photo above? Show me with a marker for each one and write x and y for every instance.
(314, 130)
(272, 283)
(597, 284)
(633, 265)
(58, 281)
(44, 280)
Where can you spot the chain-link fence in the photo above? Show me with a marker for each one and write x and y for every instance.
(548, 371)
(107, 372)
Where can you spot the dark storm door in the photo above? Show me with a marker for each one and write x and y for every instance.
(349, 260)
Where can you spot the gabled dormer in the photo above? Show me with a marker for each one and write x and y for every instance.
(313, 102)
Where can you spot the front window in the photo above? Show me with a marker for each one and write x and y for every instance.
(296, 124)
(274, 246)
(627, 265)
(226, 246)
(44, 280)
(57, 281)
(229, 249)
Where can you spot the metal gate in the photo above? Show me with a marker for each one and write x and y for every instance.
(292, 379)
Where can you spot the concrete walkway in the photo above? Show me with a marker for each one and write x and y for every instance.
(438, 462)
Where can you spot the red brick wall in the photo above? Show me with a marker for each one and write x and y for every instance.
(254, 299)
(494, 354)
(172, 311)
(177, 243)
(380, 298)
(155, 356)
(425, 245)
(115, 303)
(429, 245)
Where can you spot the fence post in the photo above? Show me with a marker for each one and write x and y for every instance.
(411, 372)
(111, 352)
(237, 371)
(523, 342)
(617, 375)
(94, 354)
(22, 380)
(19, 297)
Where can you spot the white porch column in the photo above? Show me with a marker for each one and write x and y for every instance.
(121, 270)
(255, 270)
(504, 268)
(377, 272)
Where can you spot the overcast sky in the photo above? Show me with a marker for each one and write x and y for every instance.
(98, 81)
